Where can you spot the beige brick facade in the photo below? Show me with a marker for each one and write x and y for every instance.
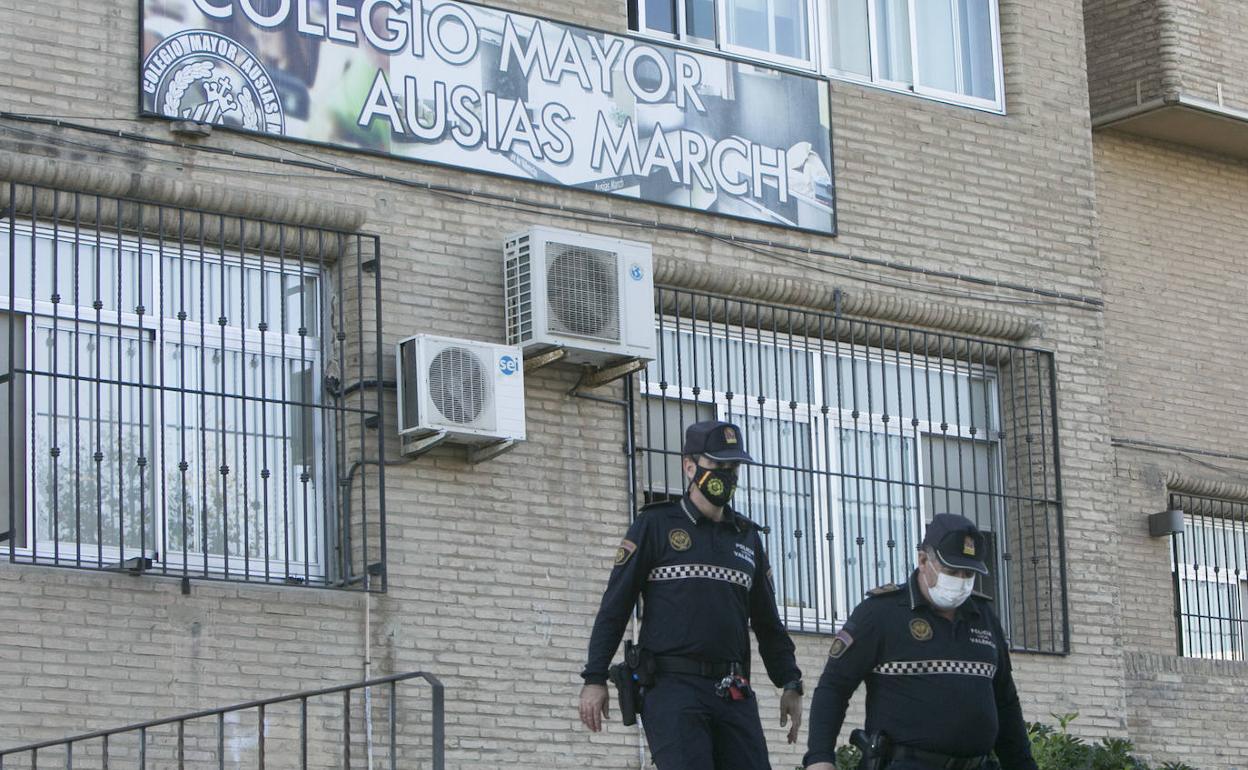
(495, 570)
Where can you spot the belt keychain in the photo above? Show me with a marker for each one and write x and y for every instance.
(734, 687)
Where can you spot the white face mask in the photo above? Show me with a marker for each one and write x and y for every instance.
(949, 591)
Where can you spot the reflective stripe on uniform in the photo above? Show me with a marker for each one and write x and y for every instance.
(708, 571)
(923, 667)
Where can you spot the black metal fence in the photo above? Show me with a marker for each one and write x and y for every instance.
(188, 393)
(371, 724)
(863, 431)
(1210, 570)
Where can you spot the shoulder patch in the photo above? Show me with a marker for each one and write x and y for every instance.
(840, 643)
(884, 590)
(624, 552)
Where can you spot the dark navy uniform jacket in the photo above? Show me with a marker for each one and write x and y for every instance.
(932, 684)
(704, 585)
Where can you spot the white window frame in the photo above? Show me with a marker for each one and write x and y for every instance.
(820, 49)
(823, 617)
(1223, 577)
(161, 331)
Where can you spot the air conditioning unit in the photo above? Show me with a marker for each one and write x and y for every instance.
(592, 296)
(464, 391)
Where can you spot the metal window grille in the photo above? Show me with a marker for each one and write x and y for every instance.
(1210, 572)
(187, 392)
(863, 431)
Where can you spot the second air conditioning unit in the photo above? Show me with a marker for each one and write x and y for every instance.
(590, 295)
(464, 391)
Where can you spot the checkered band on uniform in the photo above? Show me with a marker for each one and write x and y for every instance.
(923, 667)
(708, 571)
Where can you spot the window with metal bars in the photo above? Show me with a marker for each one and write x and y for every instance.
(863, 431)
(1211, 577)
(172, 404)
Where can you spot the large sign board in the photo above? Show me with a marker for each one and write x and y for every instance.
(492, 91)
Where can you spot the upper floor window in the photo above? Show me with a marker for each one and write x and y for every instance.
(1211, 577)
(944, 49)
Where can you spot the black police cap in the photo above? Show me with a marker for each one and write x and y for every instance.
(716, 440)
(957, 541)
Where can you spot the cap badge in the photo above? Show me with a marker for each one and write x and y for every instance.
(968, 546)
(920, 629)
(730, 436)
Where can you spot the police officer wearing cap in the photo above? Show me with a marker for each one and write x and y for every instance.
(704, 578)
(936, 664)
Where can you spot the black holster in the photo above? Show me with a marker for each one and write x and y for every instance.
(629, 677)
(874, 747)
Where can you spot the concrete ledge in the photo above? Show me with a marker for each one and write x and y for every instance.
(820, 296)
(1199, 487)
(96, 179)
(1144, 665)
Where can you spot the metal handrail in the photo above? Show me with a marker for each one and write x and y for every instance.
(439, 717)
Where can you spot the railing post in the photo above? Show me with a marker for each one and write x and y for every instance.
(394, 713)
(346, 730)
(303, 733)
(439, 726)
(260, 736)
(181, 744)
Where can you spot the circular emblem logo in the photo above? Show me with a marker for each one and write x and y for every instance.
(508, 365)
(715, 486)
(920, 629)
(636, 272)
(679, 539)
(206, 77)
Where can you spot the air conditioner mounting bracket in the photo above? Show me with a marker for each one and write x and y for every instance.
(490, 451)
(544, 359)
(414, 447)
(596, 377)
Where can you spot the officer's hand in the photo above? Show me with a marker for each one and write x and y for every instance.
(791, 708)
(594, 705)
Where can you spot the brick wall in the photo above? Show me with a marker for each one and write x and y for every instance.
(1150, 48)
(496, 570)
(1170, 227)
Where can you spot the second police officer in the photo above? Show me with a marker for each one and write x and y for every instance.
(704, 578)
(940, 693)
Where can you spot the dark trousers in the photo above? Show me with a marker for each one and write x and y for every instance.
(689, 727)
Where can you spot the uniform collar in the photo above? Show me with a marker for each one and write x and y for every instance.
(917, 599)
(696, 517)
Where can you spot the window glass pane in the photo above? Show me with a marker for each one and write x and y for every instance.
(892, 24)
(106, 502)
(770, 26)
(700, 19)
(979, 72)
(249, 515)
(775, 495)
(665, 421)
(791, 31)
(849, 47)
(1213, 619)
(744, 368)
(938, 393)
(12, 431)
(660, 16)
(879, 510)
(937, 44)
(962, 478)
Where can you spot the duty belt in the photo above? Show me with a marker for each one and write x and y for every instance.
(934, 759)
(711, 669)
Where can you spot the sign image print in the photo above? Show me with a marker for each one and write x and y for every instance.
(503, 93)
